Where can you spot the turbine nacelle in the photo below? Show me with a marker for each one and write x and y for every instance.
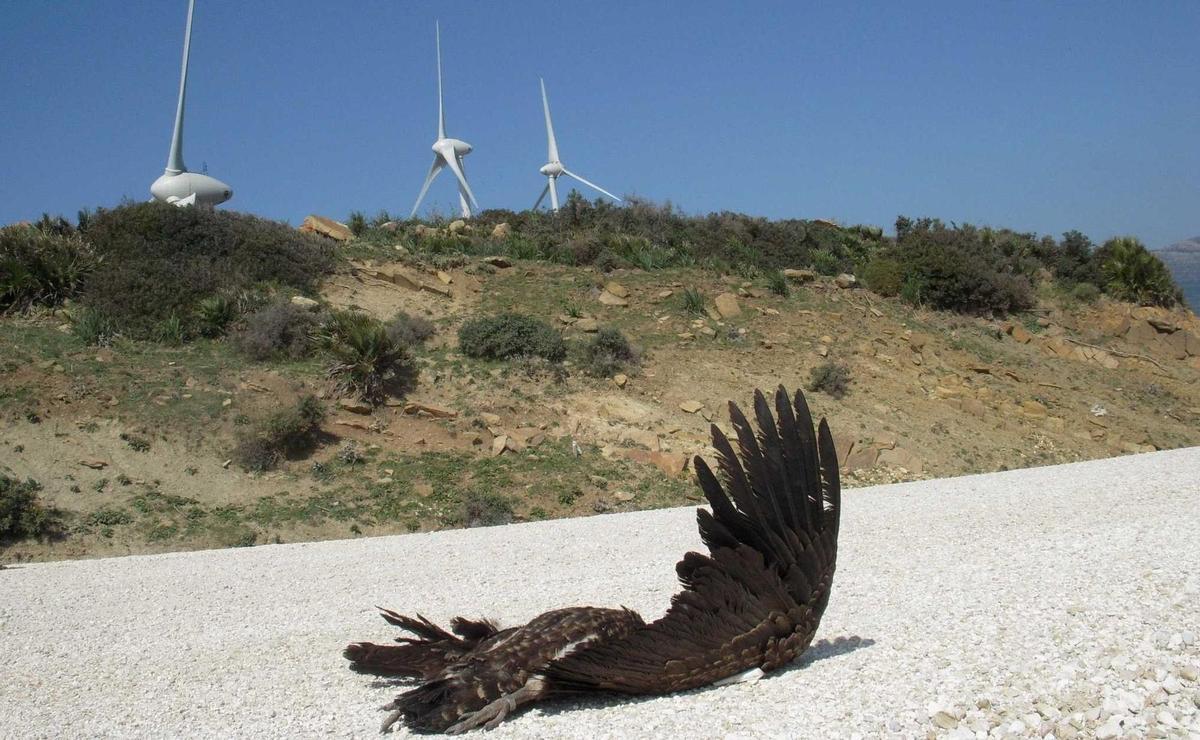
(458, 146)
(552, 169)
(180, 187)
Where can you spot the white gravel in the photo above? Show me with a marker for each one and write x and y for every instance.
(1063, 599)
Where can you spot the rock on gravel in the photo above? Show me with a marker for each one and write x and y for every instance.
(1056, 600)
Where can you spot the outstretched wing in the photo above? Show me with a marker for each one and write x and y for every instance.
(756, 599)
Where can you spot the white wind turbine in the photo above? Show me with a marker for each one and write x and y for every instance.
(554, 167)
(177, 185)
(447, 152)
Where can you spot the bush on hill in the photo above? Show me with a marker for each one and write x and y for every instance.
(510, 335)
(1132, 273)
(160, 261)
(22, 513)
(41, 266)
(286, 433)
(364, 359)
(278, 330)
(607, 353)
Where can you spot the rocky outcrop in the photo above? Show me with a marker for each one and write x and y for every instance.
(327, 227)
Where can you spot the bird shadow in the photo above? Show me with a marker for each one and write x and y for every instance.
(818, 651)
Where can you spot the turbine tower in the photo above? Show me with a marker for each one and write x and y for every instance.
(553, 168)
(447, 152)
(177, 185)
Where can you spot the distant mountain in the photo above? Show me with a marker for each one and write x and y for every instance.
(1183, 260)
(1187, 246)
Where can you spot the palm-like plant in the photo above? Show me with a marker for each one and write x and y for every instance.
(365, 361)
(1132, 273)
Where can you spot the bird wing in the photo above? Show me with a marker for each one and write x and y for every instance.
(756, 599)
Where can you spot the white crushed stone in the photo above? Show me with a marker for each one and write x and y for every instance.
(1061, 601)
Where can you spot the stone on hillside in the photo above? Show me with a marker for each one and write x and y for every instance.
(800, 276)
(489, 418)
(497, 261)
(617, 289)
(974, 407)
(435, 288)
(327, 227)
(708, 331)
(917, 342)
(1163, 326)
(354, 406)
(501, 231)
(457, 226)
(1020, 334)
(727, 305)
(609, 299)
(900, 458)
(499, 444)
(861, 458)
(587, 325)
(664, 294)
(691, 407)
(620, 379)
(1033, 409)
(425, 409)
(444, 277)
(1142, 332)
(845, 280)
(305, 302)
(94, 464)
(395, 277)
(671, 464)
(822, 350)
(623, 496)
(390, 225)
(843, 444)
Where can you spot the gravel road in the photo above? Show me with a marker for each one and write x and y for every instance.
(1060, 600)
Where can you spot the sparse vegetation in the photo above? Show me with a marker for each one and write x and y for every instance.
(22, 513)
(279, 330)
(485, 509)
(92, 327)
(778, 283)
(692, 302)
(214, 314)
(409, 331)
(607, 353)
(884, 275)
(831, 378)
(286, 433)
(511, 335)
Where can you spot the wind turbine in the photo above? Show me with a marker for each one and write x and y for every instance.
(554, 167)
(177, 185)
(447, 152)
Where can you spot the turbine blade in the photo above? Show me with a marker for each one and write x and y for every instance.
(455, 163)
(554, 194)
(552, 144)
(175, 157)
(590, 184)
(438, 164)
(441, 110)
(541, 197)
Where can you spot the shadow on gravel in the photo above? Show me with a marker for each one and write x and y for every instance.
(820, 650)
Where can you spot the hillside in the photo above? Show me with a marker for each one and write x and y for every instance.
(134, 440)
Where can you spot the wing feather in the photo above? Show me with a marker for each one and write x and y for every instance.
(756, 598)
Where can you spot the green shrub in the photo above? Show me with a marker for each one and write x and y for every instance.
(778, 283)
(1085, 292)
(92, 327)
(287, 433)
(159, 260)
(606, 261)
(407, 330)
(831, 378)
(510, 335)
(692, 302)
(276, 331)
(364, 360)
(357, 223)
(607, 353)
(214, 314)
(22, 513)
(170, 331)
(485, 509)
(962, 269)
(884, 275)
(1132, 273)
(41, 268)
(825, 262)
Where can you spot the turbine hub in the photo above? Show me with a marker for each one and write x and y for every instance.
(458, 146)
(551, 169)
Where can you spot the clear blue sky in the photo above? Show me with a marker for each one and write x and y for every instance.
(1037, 115)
